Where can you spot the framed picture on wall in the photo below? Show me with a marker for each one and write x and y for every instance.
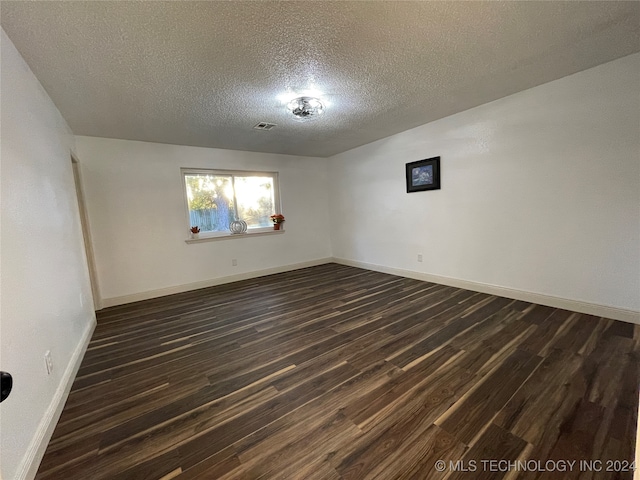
(423, 175)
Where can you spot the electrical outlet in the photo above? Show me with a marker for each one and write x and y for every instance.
(234, 262)
(420, 257)
(48, 362)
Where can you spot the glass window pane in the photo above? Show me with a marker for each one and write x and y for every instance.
(210, 200)
(256, 201)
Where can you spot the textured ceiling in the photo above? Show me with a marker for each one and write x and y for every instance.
(203, 73)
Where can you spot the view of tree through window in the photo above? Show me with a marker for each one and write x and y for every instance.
(216, 199)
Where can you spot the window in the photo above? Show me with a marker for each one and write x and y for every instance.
(215, 198)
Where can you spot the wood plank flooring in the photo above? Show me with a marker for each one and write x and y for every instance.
(334, 372)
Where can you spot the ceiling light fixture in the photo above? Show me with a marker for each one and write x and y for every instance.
(306, 107)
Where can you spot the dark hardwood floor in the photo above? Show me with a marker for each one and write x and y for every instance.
(335, 372)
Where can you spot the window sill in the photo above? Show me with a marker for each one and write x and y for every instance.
(228, 236)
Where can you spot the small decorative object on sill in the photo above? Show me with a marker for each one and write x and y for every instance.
(277, 220)
(238, 226)
(195, 232)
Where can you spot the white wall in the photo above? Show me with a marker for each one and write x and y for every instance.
(134, 197)
(540, 192)
(45, 291)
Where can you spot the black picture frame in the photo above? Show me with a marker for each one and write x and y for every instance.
(423, 175)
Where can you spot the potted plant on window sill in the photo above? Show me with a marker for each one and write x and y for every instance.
(277, 220)
(195, 232)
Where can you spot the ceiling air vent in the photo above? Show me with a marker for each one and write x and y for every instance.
(264, 126)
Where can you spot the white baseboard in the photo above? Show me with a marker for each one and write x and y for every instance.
(31, 461)
(136, 297)
(605, 311)
(624, 315)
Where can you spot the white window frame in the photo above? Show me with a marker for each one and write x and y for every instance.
(240, 173)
